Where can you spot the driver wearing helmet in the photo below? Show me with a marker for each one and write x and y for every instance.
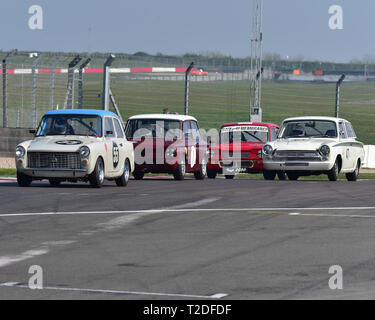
(62, 126)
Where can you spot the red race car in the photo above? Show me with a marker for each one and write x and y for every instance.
(167, 143)
(240, 150)
(198, 72)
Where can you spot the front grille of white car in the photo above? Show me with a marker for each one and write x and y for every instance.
(54, 160)
(292, 155)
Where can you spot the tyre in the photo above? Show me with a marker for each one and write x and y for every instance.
(292, 176)
(180, 172)
(123, 180)
(353, 176)
(211, 174)
(96, 178)
(269, 175)
(333, 174)
(201, 174)
(23, 179)
(54, 182)
(138, 175)
(281, 175)
(229, 176)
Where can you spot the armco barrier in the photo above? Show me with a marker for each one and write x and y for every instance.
(9, 138)
(369, 157)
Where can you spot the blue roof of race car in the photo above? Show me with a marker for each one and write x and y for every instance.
(100, 113)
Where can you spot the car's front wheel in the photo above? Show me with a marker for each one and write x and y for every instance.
(180, 172)
(201, 174)
(23, 179)
(333, 174)
(211, 174)
(269, 175)
(123, 180)
(353, 176)
(138, 175)
(281, 175)
(54, 182)
(292, 176)
(96, 178)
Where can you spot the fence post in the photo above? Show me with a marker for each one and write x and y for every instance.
(106, 82)
(187, 72)
(337, 104)
(80, 82)
(18, 119)
(69, 93)
(52, 82)
(4, 93)
(33, 88)
(13, 52)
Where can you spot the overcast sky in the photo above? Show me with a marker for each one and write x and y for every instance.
(291, 27)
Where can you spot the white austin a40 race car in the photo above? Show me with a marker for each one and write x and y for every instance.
(313, 146)
(76, 145)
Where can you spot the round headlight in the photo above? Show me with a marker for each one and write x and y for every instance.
(325, 150)
(20, 151)
(84, 151)
(267, 150)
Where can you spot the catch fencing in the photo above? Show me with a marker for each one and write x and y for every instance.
(219, 91)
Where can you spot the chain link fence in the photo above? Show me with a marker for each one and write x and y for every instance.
(219, 90)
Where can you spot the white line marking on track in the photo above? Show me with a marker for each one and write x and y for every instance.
(7, 260)
(32, 253)
(333, 215)
(193, 204)
(179, 210)
(122, 221)
(125, 292)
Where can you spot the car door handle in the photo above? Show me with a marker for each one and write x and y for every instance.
(121, 145)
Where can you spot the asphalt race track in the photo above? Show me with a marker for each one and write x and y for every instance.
(165, 239)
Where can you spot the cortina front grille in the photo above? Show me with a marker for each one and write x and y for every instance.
(289, 155)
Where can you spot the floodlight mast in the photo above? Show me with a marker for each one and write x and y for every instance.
(256, 68)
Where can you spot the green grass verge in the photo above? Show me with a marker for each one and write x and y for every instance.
(8, 172)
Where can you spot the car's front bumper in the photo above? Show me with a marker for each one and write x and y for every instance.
(231, 166)
(298, 165)
(54, 173)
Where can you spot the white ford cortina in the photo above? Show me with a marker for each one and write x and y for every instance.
(76, 145)
(313, 146)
